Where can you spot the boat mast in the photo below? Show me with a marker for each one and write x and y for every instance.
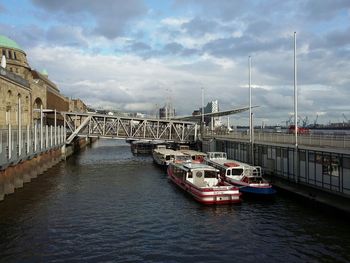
(295, 92)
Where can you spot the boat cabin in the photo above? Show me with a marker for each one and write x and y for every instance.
(253, 180)
(217, 155)
(201, 175)
(194, 155)
(231, 167)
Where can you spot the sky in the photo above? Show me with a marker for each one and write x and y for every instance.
(136, 55)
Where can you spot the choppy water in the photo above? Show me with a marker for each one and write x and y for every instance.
(105, 205)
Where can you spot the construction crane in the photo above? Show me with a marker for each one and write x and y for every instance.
(315, 121)
(346, 119)
(305, 121)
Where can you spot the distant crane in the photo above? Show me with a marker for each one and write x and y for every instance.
(315, 121)
(289, 121)
(305, 121)
(346, 119)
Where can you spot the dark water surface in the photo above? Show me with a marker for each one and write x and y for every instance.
(105, 205)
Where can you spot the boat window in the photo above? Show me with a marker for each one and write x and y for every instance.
(237, 171)
(228, 172)
(218, 155)
(210, 174)
(199, 174)
(190, 175)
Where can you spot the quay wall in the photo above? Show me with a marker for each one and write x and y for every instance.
(14, 176)
(320, 174)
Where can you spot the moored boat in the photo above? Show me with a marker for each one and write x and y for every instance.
(248, 178)
(163, 156)
(141, 147)
(203, 183)
(196, 156)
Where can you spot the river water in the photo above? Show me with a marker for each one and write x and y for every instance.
(106, 205)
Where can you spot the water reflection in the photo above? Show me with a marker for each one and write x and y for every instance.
(107, 205)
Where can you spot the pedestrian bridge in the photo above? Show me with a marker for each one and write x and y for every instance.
(123, 127)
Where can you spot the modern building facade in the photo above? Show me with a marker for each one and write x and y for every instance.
(167, 112)
(212, 107)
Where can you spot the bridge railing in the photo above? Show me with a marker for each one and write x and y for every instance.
(20, 144)
(311, 140)
(123, 127)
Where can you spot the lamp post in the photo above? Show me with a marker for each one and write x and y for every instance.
(296, 161)
(295, 92)
(250, 111)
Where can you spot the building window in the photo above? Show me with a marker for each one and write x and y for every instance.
(10, 54)
(4, 52)
(14, 55)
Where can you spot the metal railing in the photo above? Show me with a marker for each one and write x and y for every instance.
(20, 144)
(311, 140)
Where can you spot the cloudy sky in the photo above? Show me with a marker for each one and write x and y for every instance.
(134, 55)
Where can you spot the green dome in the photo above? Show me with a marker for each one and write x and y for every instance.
(44, 72)
(9, 43)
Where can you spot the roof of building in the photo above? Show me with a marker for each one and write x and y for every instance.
(44, 72)
(9, 43)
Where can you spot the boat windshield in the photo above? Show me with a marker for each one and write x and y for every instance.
(169, 157)
(237, 171)
(217, 155)
(256, 180)
(182, 158)
(210, 174)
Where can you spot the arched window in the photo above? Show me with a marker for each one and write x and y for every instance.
(37, 103)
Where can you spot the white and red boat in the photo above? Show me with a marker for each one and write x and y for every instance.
(203, 183)
(248, 178)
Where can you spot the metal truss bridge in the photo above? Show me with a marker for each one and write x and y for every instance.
(120, 127)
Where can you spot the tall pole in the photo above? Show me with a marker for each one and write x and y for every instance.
(41, 127)
(250, 100)
(19, 127)
(250, 112)
(295, 92)
(296, 161)
(202, 106)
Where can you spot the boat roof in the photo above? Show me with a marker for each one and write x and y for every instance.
(168, 151)
(192, 152)
(218, 155)
(140, 141)
(197, 166)
(158, 142)
(231, 163)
